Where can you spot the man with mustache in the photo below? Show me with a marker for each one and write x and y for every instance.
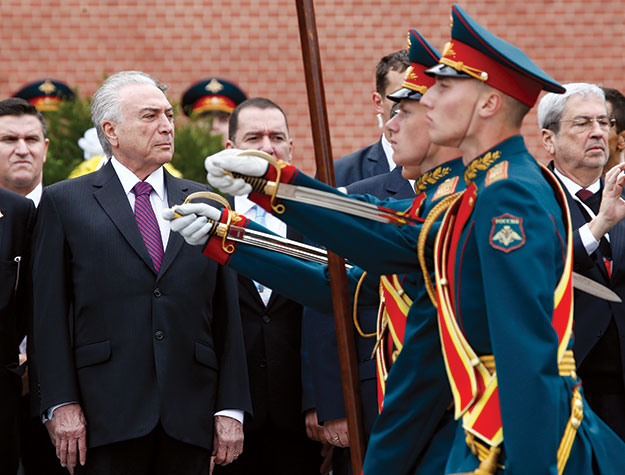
(575, 131)
(139, 349)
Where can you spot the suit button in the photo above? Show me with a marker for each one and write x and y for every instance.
(159, 335)
(157, 292)
(266, 318)
(263, 363)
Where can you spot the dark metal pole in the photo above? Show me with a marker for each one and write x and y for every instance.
(338, 278)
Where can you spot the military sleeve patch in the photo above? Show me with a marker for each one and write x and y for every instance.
(507, 233)
(496, 173)
(446, 188)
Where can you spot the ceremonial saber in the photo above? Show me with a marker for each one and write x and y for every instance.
(338, 278)
(322, 199)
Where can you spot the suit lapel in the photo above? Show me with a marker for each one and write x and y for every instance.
(376, 160)
(249, 287)
(109, 193)
(617, 244)
(396, 184)
(176, 194)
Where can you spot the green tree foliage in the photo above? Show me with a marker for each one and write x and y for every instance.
(192, 142)
(65, 126)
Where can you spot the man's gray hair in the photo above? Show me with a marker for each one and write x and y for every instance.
(106, 105)
(551, 106)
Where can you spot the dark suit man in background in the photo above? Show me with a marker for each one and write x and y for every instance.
(575, 128)
(378, 157)
(138, 342)
(616, 139)
(23, 148)
(275, 437)
(16, 219)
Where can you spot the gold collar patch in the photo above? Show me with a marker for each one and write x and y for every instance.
(429, 178)
(480, 164)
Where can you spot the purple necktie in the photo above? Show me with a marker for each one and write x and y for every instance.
(584, 194)
(146, 219)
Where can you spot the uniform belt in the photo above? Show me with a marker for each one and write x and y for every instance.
(566, 366)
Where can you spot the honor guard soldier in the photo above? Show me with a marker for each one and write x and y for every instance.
(213, 98)
(46, 94)
(410, 434)
(503, 261)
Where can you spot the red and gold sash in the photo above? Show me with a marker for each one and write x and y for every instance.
(391, 325)
(474, 388)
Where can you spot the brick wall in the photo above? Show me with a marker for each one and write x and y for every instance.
(256, 43)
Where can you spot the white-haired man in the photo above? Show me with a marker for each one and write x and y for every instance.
(575, 131)
(139, 344)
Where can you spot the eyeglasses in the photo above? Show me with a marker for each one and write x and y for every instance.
(585, 123)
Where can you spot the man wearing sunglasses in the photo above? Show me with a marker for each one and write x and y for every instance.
(575, 130)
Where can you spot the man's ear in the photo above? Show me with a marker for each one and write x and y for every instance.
(620, 145)
(548, 138)
(377, 102)
(108, 128)
(230, 144)
(490, 103)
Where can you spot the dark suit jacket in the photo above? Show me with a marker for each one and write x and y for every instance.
(133, 347)
(594, 315)
(272, 344)
(369, 161)
(15, 232)
(391, 184)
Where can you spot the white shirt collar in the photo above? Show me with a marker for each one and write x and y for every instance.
(242, 204)
(573, 187)
(388, 151)
(35, 195)
(129, 179)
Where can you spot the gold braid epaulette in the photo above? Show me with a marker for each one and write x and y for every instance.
(431, 218)
(480, 164)
(429, 178)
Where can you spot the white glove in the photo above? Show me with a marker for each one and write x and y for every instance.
(233, 160)
(194, 225)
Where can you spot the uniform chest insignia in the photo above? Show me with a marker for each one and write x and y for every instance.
(497, 172)
(429, 178)
(507, 233)
(448, 187)
(480, 164)
(1, 215)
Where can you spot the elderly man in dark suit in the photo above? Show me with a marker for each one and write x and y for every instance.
(16, 218)
(575, 130)
(138, 341)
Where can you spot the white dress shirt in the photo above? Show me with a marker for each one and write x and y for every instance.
(248, 208)
(35, 195)
(388, 151)
(585, 234)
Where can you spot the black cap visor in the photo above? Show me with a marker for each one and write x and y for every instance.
(445, 71)
(405, 93)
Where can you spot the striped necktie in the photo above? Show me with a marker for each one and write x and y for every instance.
(146, 220)
(264, 292)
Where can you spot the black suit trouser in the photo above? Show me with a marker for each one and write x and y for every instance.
(154, 454)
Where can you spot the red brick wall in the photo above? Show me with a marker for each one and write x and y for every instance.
(256, 43)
